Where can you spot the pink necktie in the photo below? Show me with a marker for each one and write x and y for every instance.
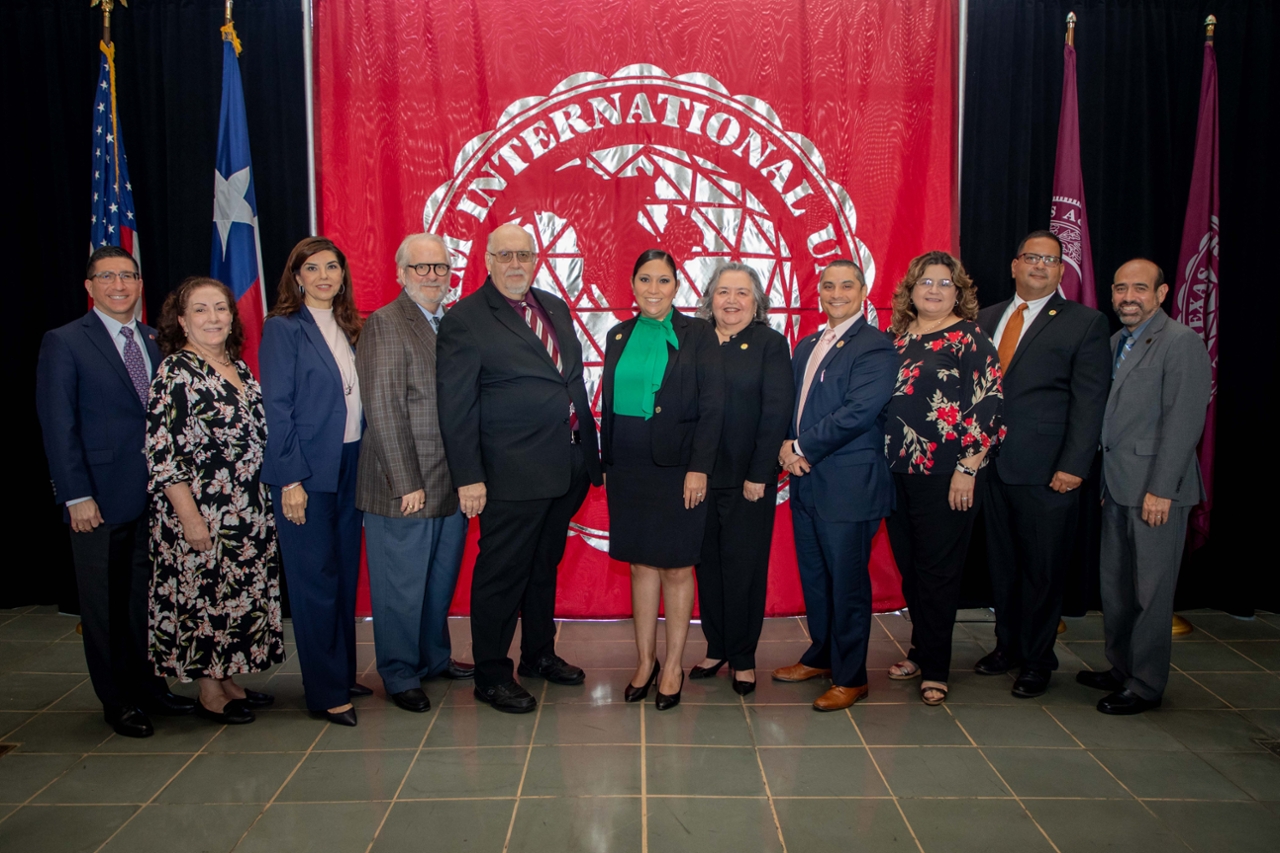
(815, 359)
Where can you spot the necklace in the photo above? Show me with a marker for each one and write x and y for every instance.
(208, 356)
(933, 326)
(346, 365)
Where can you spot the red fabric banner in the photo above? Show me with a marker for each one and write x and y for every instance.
(1067, 218)
(1196, 289)
(783, 133)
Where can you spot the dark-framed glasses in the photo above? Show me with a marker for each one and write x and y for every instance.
(523, 256)
(1031, 259)
(940, 283)
(110, 276)
(441, 270)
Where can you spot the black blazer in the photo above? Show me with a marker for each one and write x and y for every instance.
(94, 424)
(688, 410)
(758, 394)
(1055, 392)
(504, 408)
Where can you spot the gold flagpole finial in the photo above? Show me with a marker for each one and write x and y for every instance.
(228, 12)
(229, 30)
(107, 6)
(1209, 23)
(1071, 29)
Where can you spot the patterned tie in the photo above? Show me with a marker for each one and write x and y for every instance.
(1122, 351)
(815, 359)
(435, 322)
(549, 343)
(135, 365)
(1009, 340)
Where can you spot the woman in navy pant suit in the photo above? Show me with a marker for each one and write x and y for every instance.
(314, 421)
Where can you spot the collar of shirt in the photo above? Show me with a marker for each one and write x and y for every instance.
(114, 326)
(437, 316)
(844, 327)
(1138, 330)
(1033, 305)
(528, 297)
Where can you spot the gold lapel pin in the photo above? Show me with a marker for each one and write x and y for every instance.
(744, 346)
(1054, 311)
(618, 336)
(839, 344)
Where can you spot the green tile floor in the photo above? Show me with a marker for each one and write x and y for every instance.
(986, 772)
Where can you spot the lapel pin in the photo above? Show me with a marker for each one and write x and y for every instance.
(618, 336)
(744, 346)
(839, 344)
(1148, 340)
(1052, 312)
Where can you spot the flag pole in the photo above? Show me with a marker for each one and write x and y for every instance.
(1071, 29)
(107, 6)
(1209, 24)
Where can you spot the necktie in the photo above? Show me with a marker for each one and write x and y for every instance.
(435, 322)
(1122, 351)
(549, 343)
(1009, 340)
(135, 365)
(815, 359)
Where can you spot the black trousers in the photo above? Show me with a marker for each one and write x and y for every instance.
(113, 573)
(521, 544)
(733, 573)
(1029, 530)
(929, 541)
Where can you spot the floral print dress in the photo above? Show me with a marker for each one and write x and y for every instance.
(212, 613)
(946, 404)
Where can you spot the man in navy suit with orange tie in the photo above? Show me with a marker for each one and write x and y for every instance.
(92, 383)
(840, 482)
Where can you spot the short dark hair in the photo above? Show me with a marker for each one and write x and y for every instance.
(1035, 235)
(655, 255)
(845, 262)
(169, 334)
(104, 252)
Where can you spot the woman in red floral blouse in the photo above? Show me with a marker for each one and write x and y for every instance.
(942, 423)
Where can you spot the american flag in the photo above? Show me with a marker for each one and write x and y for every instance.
(112, 220)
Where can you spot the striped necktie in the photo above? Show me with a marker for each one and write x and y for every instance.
(1122, 351)
(549, 343)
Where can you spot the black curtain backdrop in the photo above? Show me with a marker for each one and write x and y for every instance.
(1139, 67)
(169, 89)
(1139, 77)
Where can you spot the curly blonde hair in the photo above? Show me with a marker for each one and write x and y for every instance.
(904, 312)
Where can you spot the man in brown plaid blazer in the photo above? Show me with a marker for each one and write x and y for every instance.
(414, 530)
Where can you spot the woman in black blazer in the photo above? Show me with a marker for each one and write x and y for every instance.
(759, 394)
(662, 409)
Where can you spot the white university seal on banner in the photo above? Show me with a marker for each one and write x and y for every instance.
(601, 168)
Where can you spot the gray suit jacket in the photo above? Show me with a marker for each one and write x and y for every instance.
(402, 450)
(1155, 415)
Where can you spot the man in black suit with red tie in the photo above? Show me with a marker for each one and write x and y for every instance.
(92, 383)
(1056, 362)
(521, 444)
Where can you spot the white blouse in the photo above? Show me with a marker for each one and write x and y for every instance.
(345, 356)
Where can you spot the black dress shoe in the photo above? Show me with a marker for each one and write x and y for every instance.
(129, 721)
(1126, 702)
(665, 701)
(254, 699)
(509, 698)
(996, 663)
(1031, 683)
(554, 669)
(637, 694)
(705, 671)
(458, 670)
(359, 690)
(413, 699)
(234, 713)
(338, 718)
(743, 688)
(168, 704)
(1100, 680)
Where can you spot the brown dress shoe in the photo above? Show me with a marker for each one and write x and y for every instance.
(839, 698)
(799, 672)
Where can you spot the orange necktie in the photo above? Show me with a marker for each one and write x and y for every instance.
(1009, 340)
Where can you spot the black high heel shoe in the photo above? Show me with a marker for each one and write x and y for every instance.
(742, 688)
(705, 671)
(638, 694)
(665, 701)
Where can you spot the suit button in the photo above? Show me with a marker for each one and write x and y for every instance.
(657, 410)
(1106, 450)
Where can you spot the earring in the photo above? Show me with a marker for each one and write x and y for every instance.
(341, 288)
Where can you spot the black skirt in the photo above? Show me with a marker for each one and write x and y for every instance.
(648, 522)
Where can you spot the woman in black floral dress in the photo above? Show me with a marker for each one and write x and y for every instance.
(942, 423)
(215, 590)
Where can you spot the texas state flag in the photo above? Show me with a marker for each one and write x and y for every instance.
(237, 252)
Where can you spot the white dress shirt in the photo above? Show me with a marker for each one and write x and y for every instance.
(1028, 317)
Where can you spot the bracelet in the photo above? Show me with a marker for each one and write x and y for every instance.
(290, 486)
(962, 468)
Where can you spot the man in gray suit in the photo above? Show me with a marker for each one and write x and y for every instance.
(414, 531)
(1151, 480)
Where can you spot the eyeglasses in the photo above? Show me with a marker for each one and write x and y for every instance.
(441, 270)
(941, 284)
(110, 276)
(523, 256)
(1031, 259)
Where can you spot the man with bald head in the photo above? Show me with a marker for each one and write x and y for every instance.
(522, 449)
(1160, 389)
(414, 531)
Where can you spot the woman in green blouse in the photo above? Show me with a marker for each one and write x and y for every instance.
(662, 407)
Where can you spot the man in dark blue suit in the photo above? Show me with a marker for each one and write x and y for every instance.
(840, 482)
(92, 382)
